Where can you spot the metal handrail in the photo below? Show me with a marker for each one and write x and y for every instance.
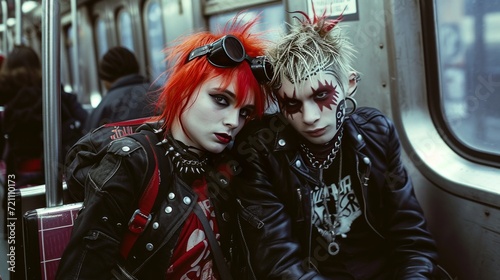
(51, 77)
(5, 46)
(19, 22)
(76, 47)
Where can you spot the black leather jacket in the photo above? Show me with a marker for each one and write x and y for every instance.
(273, 189)
(113, 188)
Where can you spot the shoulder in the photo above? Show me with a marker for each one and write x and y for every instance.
(269, 135)
(370, 120)
(265, 127)
(370, 127)
(125, 146)
(123, 158)
(129, 82)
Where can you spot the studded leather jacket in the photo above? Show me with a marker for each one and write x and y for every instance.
(273, 188)
(112, 193)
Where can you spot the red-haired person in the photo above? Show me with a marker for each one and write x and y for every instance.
(214, 87)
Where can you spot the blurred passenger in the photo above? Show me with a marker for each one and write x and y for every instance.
(212, 91)
(127, 96)
(21, 95)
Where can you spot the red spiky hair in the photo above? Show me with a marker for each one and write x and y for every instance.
(185, 77)
(321, 24)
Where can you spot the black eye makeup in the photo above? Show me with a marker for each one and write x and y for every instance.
(325, 95)
(220, 99)
(291, 105)
(246, 112)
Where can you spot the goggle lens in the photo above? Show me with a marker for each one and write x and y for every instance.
(228, 51)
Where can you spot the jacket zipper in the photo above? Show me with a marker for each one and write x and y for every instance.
(246, 247)
(310, 228)
(364, 184)
(125, 273)
(310, 221)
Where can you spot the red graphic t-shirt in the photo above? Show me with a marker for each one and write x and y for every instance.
(192, 258)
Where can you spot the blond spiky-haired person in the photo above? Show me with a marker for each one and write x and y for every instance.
(322, 190)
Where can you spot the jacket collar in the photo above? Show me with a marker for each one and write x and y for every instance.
(288, 139)
(131, 79)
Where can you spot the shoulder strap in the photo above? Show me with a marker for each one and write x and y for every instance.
(142, 216)
(214, 245)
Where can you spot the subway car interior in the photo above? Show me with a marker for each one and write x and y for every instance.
(431, 66)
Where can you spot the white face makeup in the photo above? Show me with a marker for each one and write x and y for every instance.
(211, 119)
(315, 107)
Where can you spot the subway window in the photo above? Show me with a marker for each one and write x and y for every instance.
(270, 25)
(468, 51)
(155, 42)
(271, 21)
(125, 30)
(101, 40)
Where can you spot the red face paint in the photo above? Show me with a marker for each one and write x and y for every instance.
(289, 105)
(325, 95)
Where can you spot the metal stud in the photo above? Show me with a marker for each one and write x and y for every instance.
(366, 160)
(298, 163)
(156, 225)
(150, 247)
(282, 142)
(125, 148)
(186, 200)
(168, 209)
(171, 195)
(360, 137)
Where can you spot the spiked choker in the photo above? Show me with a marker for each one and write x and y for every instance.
(183, 159)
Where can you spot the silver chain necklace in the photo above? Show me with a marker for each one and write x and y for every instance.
(331, 156)
(330, 234)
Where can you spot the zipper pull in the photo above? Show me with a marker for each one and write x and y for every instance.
(299, 194)
(300, 212)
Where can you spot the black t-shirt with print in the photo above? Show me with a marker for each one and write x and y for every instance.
(361, 250)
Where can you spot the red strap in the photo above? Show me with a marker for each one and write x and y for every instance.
(141, 217)
(138, 121)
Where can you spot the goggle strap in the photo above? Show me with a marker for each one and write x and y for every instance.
(201, 51)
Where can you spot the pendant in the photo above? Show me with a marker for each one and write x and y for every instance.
(333, 248)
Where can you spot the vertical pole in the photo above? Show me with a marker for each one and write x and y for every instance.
(5, 16)
(19, 22)
(51, 80)
(76, 47)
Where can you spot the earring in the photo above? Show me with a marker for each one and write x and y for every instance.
(358, 78)
(350, 110)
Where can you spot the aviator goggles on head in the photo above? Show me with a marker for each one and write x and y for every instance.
(228, 52)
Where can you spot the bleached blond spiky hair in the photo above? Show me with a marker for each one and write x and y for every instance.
(310, 46)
